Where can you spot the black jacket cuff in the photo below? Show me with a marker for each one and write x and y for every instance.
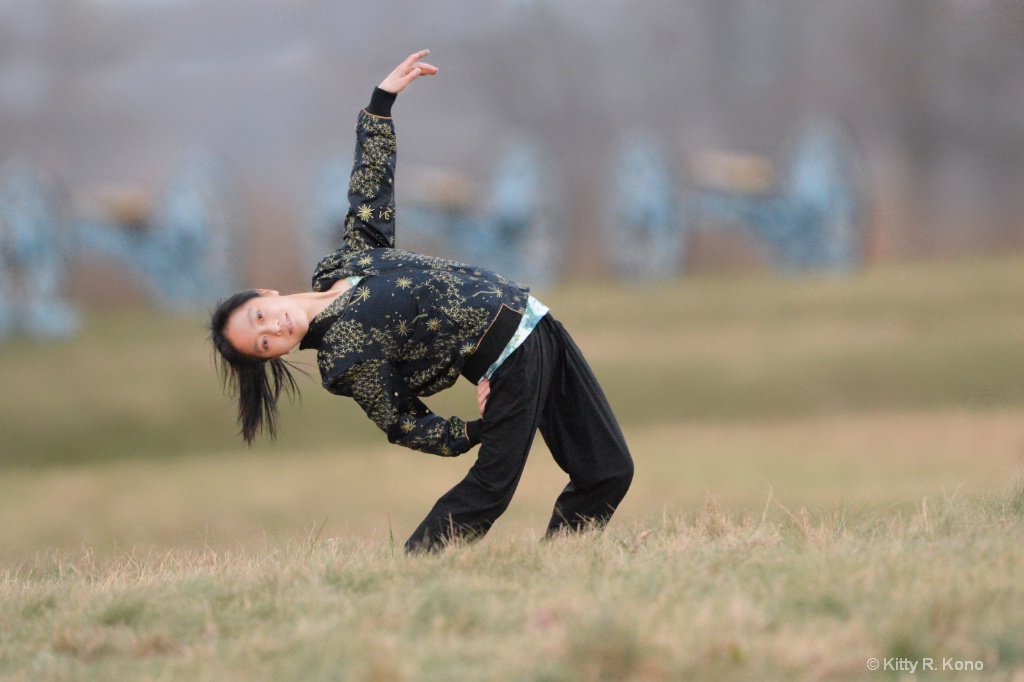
(474, 430)
(380, 102)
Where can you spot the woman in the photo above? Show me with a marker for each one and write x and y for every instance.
(391, 326)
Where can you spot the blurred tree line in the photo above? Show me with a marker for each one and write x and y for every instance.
(108, 93)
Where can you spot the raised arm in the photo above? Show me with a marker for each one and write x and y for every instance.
(370, 222)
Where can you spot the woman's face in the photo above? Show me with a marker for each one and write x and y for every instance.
(266, 326)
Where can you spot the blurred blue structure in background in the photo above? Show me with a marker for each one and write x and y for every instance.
(186, 249)
(513, 227)
(813, 219)
(521, 234)
(32, 261)
(643, 230)
(808, 215)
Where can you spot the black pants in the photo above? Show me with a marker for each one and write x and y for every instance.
(545, 384)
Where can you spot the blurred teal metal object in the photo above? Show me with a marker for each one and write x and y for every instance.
(185, 250)
(644, 232)
(521, 233)
(33, 271)
(809, 216)
(814, 219)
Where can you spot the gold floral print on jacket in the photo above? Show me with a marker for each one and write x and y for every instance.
(405, 330)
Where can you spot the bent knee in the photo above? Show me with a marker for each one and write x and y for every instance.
(618, 483)
(625, 475)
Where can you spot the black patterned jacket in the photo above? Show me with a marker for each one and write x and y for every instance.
(406, 330)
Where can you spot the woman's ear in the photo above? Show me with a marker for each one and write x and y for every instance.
(268, 292)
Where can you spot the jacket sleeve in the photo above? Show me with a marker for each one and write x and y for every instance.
(399, 413)
(370, 221)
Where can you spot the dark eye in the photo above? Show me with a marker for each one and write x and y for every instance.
(259, 315)
(266, 344)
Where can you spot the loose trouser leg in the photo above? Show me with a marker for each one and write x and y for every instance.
(513, 413)
(585, 439)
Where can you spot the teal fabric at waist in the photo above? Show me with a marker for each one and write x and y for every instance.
(535, 310)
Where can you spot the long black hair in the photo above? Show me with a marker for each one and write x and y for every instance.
(256, 382)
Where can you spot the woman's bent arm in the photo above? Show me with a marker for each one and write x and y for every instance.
(406, 420)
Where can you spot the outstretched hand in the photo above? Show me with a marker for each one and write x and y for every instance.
(408, 71)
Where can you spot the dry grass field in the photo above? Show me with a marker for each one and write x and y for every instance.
(828, 472)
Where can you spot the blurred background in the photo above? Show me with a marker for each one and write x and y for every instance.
(717, 133)
(106, 96)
